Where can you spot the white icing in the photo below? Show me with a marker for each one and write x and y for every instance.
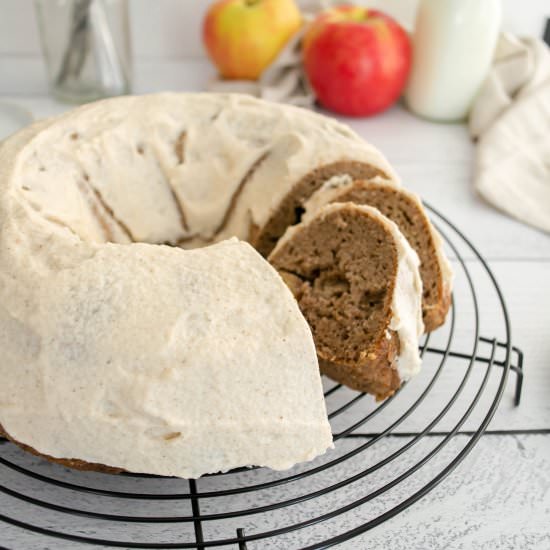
(164, 361)
(326, 194)
(127, 148)
(406, 305)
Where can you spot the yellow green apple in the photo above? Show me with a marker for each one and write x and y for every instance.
(243, 37)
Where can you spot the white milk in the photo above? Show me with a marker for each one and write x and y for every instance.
(454, 41)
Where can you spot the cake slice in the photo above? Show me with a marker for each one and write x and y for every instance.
(405, 209)
(356, 280)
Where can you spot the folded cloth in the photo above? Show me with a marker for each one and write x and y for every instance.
(284, 81)
(511, 121)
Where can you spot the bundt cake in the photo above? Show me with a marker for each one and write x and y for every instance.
(357, 282)
(121, 353)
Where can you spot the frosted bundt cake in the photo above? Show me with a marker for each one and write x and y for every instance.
(120, 352)
(357, 282)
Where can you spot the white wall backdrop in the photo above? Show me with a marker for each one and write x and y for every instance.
(171, 28)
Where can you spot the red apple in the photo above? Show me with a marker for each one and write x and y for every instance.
(243, 37)
(357, 60)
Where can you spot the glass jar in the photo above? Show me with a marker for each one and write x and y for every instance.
(86, 47)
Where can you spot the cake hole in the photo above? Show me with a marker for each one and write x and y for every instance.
(298, 213)
(140, 149)
(74, 136)
(372, 299)
(332, 286)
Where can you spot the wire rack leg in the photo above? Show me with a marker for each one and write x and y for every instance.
(242, 543)
(196, 513)
(518, 369)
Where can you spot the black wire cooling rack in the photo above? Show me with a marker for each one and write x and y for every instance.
(387, 455)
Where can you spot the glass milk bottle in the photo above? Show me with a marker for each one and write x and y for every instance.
(454, 42)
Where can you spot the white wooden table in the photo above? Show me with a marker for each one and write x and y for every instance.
(499, 497)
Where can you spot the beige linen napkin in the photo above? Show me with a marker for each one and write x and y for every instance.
(511, 120)
(284, 81)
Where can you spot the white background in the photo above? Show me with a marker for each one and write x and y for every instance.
(171, 28)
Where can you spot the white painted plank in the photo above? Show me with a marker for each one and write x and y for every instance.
(172, 27)
(25, 77)
(498, 498)
(167, 29)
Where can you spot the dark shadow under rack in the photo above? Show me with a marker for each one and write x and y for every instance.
(499, 357)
